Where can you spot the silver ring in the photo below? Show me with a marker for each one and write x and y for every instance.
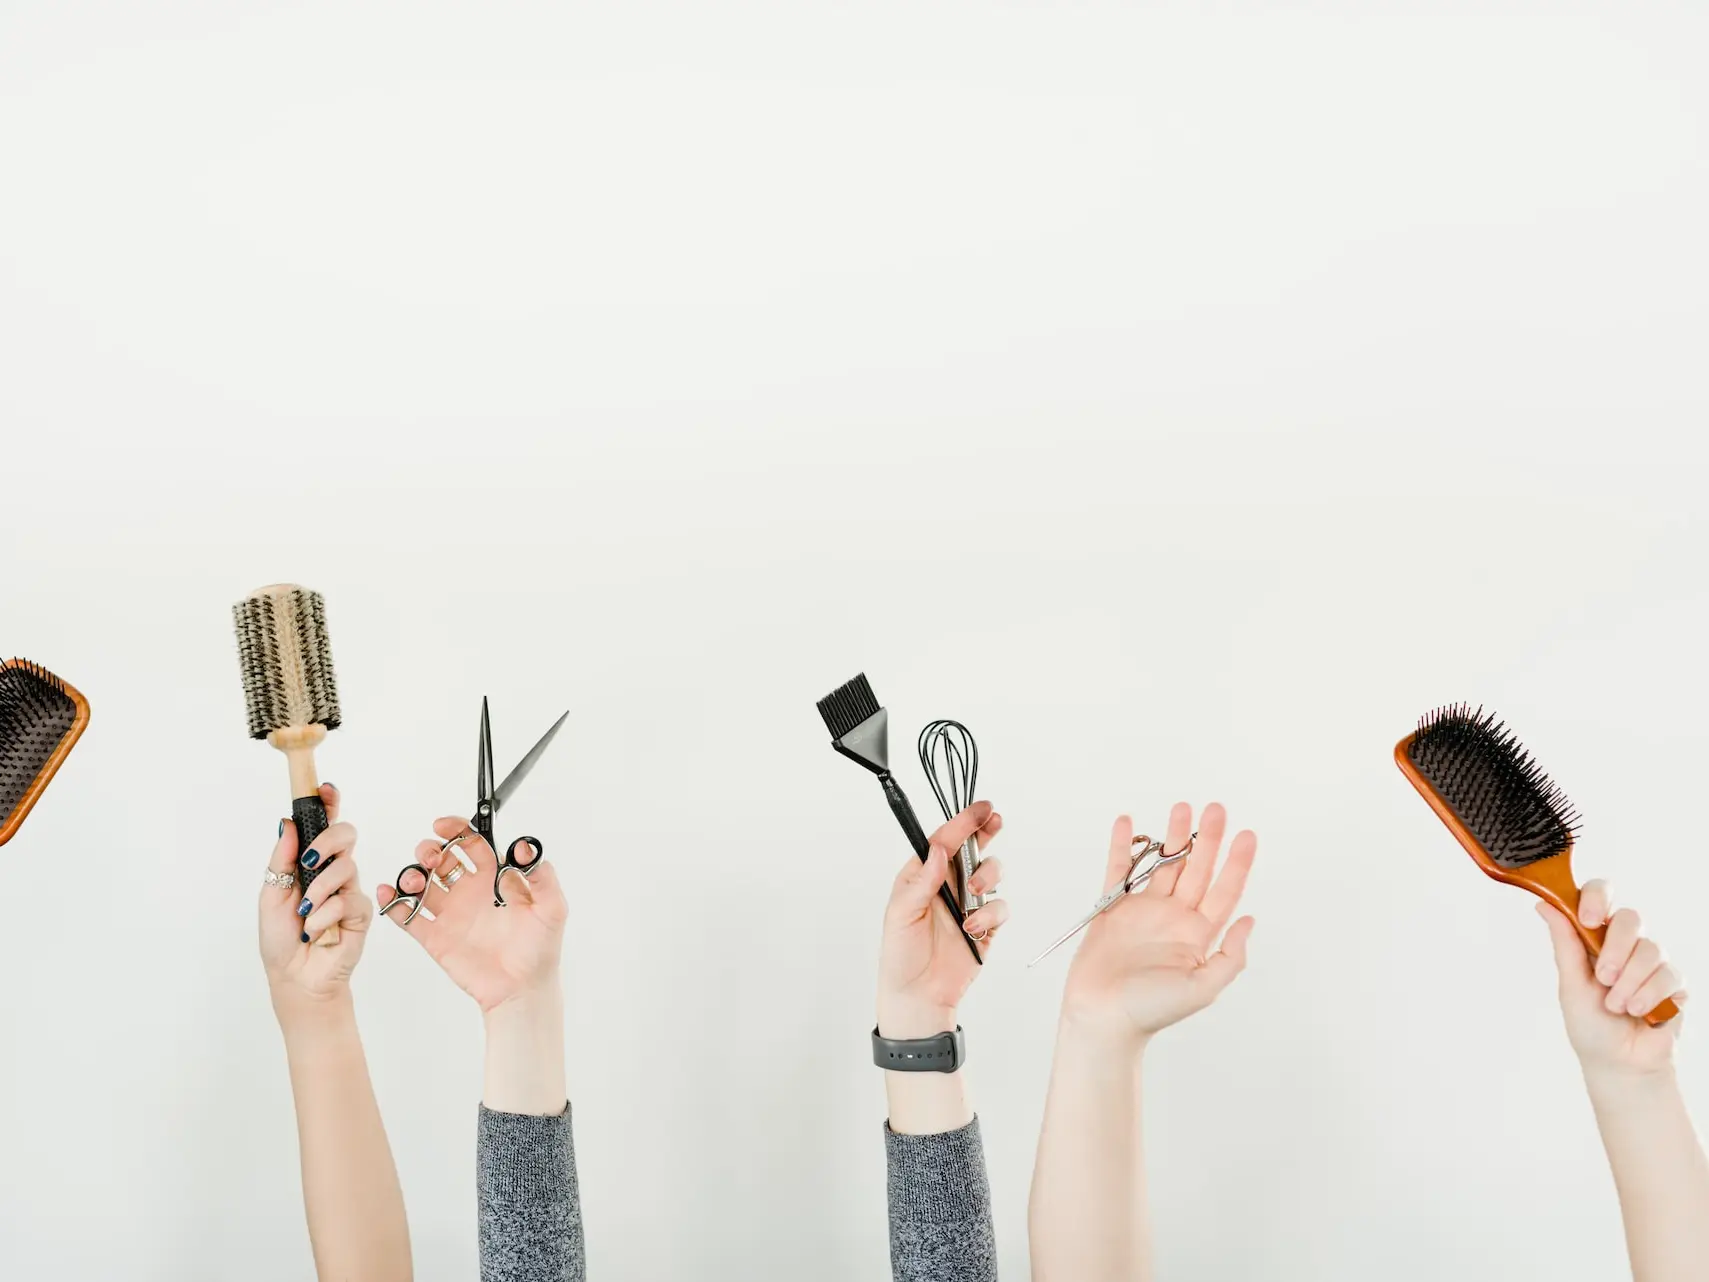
(450, 879)
(281, 879)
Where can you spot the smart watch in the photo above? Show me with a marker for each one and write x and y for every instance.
(941, 1054)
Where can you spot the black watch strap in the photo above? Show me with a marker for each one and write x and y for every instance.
(941, 1054)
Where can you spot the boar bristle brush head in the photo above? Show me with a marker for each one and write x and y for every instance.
(41, 717)
(1514, 821)
(285, 659)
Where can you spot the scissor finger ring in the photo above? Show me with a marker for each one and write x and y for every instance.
(415, 900)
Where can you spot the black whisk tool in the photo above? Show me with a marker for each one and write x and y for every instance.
(950, 758)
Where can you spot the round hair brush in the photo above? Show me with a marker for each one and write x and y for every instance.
(286, 659)
(1514, 821)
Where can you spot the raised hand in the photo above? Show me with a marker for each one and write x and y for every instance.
(297, 969)
(924, 970)
(1602, 1005)
(491, 953)
(1153, 958)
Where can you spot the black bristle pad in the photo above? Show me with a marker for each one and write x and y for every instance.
(847, 706)
(286, 660)
(1477, 765)
(35, 715)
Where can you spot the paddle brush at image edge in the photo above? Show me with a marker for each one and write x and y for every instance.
(288, 684)
(41, 717)
(1516, 824)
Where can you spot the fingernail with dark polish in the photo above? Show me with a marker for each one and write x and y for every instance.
(305, 936)
(328, 784)
(281, 827)
(305, 908)
(311, 858)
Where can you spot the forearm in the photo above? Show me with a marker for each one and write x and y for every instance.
(528, 1198)
(1660, 1172)
(524, 1067)
(355, 1207)
(1087, 1217)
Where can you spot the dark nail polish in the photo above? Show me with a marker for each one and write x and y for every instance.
(311, 858)
(305, 908)
(305, 936)
(281, 827)
(325, 784)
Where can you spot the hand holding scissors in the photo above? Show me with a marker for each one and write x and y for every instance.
(1148, 857)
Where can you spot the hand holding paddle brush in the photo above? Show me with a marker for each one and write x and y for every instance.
(288, 683)
(1516, 824)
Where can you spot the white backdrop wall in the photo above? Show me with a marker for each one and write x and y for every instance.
(1186, 398)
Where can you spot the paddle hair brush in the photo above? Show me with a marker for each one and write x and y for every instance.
(860, 730)
(41, 717)
(1514, 821)
(286, 660)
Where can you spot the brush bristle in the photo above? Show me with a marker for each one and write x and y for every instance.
(286, 660)
(36, 713)
(1478, 767)
(847, 706)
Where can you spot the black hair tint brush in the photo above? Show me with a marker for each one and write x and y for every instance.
(860, 730)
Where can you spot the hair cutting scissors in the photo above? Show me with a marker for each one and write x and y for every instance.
(1148, 857)
(488, 801)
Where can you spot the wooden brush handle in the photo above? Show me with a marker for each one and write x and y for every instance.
(308, 812)
(1553, 883)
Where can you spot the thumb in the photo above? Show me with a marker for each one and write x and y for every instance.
(1224, 965)
(918, 885)
(1571, 960)
(283, 860)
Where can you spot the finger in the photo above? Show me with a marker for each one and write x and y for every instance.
(1623, 933)
(987, 877)
(1223, 897)
(915, 889)
(284, 856)
(337, 840)
(1180, 830)
(1197, 868)
(548, 892)
(329, 799)
(1222, 967)
(986, 919)
(335, 911)
(989, 831)
(1664, 983)
(1645, 961)
(473, 844)
(410, 882)
(1595, 904)
(1571, 960)
(337, 876)
(1121, 852)
(957, 830)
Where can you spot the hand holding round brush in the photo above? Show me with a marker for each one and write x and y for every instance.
(300, 975)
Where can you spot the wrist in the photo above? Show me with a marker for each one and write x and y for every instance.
(544, 996)
(301, 1012)
(1619, 1085)
(904, 1020)
(1100, 1035)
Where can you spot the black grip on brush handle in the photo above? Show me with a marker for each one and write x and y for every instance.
(904, 812)
(309, 816)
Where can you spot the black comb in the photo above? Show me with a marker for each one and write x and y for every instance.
(1479, 768)
(859, 728)
(40, 718)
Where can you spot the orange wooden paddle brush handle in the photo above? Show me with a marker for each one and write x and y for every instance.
(1554, 885)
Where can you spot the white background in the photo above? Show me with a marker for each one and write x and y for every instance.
(1186, 397)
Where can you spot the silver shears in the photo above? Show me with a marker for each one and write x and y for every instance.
(1148, 857)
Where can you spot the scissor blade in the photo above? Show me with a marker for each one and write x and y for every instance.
(484, 755)
(516, 776)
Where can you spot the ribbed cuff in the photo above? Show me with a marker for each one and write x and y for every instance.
(938, 1179)
(522, 1155)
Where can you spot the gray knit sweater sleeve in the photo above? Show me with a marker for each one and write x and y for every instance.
(530, 1208)
(940, 1207)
